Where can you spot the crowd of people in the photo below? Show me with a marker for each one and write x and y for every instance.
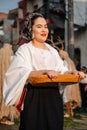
(43, 106)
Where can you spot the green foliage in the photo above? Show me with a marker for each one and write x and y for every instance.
(75, 122)
(69, 123)
(17, 121)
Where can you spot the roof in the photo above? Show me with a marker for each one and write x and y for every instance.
(3, 16)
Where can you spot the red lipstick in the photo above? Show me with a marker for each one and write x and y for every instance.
(44, 34)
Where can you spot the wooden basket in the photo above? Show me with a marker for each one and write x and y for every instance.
(62, 78)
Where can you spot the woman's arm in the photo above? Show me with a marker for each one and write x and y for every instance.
(50, 73)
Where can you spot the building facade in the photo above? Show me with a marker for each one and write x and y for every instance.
(55, 13)
(80, 32)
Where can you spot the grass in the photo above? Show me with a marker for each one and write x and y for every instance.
(71, 123)
(17, 121)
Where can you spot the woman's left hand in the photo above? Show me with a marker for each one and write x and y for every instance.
(80, 73)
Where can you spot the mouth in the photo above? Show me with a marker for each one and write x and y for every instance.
(44, 34)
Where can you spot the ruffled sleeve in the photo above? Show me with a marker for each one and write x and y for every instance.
(16, 75)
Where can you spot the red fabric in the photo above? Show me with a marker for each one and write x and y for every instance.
(19, 105)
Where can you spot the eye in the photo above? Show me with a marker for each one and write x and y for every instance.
(38, 26)
(46, 26)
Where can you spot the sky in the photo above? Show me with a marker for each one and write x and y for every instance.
(6, 5)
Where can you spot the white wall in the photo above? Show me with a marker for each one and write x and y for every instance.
(81, 42)
(80, 12)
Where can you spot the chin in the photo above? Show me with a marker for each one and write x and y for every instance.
(44, 39)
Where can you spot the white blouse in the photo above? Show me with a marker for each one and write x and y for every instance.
(26, 59)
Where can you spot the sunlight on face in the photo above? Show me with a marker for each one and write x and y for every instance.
(40, 29)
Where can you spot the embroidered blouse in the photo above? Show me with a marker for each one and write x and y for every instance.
(28, 58)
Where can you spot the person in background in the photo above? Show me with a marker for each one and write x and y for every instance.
(71, 95)
(43, 105)
(83, 87)
(7, 113)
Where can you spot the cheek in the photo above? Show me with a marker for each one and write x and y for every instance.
(36, 33)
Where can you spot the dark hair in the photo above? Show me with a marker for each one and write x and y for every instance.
(84, 69)
(28, 23)
(34, 18)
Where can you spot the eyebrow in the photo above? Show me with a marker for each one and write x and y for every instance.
(41, 25)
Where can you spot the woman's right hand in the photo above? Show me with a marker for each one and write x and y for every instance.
(52, 74)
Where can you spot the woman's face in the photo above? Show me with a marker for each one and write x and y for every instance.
(40, 30)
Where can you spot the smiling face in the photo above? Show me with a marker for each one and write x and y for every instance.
(40, 30)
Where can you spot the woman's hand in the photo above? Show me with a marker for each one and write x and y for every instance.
(75, 72)
(52, 74)
(80, 73)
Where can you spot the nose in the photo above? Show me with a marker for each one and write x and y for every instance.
(44, 29)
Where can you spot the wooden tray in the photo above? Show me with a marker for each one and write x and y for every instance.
(62, 78)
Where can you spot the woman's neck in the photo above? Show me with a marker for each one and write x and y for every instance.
(40, 45)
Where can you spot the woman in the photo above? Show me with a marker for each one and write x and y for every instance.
(43, 107)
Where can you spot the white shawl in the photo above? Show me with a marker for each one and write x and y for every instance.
(27, 59)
